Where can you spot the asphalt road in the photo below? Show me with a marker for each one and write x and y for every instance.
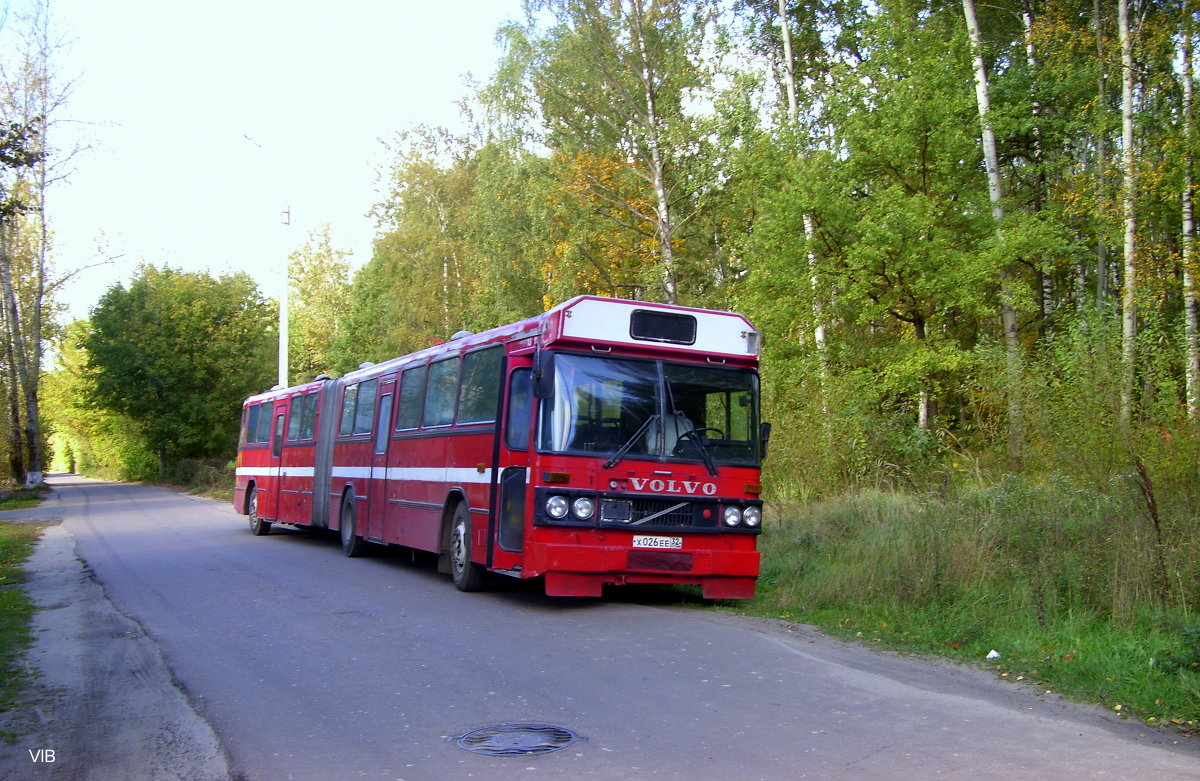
(278, 658)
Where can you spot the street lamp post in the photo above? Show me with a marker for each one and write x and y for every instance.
(285, 217)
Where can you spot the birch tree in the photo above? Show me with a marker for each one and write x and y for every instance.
(1188, 237)
(20, 150)
(32, 99)
(615, 77)
(1102, 142)
(1008, 310)
(1128, 202)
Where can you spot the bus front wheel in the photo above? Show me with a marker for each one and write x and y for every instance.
(467, 575)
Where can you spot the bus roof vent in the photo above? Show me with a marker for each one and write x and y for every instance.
(653, 326)
(461, 335)
(366, 365)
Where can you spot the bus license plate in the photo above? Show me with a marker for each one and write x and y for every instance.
(652, 541)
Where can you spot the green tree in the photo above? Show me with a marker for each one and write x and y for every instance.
(85, 438)
(507, 233)
(176, 352)
(318, 300)
(417, 288)
(613, 82)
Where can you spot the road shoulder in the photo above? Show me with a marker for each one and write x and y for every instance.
(102, 702)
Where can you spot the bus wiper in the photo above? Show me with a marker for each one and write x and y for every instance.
(624, 449)
(695, 436)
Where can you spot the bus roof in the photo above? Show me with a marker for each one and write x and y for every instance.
(611, 322)
(594, 321)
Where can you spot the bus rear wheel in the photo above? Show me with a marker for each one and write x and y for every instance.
(258, 527)
(467, 575)
(353, 545)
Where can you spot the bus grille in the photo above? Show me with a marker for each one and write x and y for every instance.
(674, 513)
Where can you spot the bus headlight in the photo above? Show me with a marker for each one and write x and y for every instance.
(556, 507)
(752, 517)
(583, 507)
(733, 516)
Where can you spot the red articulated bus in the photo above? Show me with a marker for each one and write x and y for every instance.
(603, 442)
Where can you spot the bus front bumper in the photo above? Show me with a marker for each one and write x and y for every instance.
(583, 570)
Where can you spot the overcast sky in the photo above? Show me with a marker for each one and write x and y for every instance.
(208, 120)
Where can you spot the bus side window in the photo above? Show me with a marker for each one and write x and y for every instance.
(277, 441)
(308, 416)
(412, 389)
(264, 422)
(480, 386)
(441, 394)
(381, 428)
(520, 407)
(293, 429)
(349, 403)
(251, 429)
(364, 417)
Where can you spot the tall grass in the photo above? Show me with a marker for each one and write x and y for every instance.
(1075, 588)
(1075, 556)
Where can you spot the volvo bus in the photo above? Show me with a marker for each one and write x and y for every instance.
(602, 442)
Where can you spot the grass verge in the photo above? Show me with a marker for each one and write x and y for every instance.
(16, 611)
(22, 498)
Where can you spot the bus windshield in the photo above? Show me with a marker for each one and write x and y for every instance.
(651, 410)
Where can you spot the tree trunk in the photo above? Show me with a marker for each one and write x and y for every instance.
(15, 349)
(1129, 283)
(925, 402)
(1008, 311)
(1046, 304)
(789, 64)
(12, 397)
(1101, 157)
(1190, 326)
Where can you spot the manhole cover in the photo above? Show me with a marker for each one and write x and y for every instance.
(516, 740)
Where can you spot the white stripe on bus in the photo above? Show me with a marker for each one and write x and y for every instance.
(275, 471)
(424, 474)
(430, 474)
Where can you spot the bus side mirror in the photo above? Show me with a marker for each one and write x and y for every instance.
(543, 375)
(764, 436)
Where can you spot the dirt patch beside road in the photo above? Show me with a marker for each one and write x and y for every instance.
(102, 703)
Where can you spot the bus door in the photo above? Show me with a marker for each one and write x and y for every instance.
(271, 508)
(377, 496)
(514, 448)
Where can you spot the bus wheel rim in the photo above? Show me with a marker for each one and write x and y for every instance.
(458, 548)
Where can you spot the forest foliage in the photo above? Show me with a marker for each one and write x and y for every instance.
(831, 184)
(821, 167)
